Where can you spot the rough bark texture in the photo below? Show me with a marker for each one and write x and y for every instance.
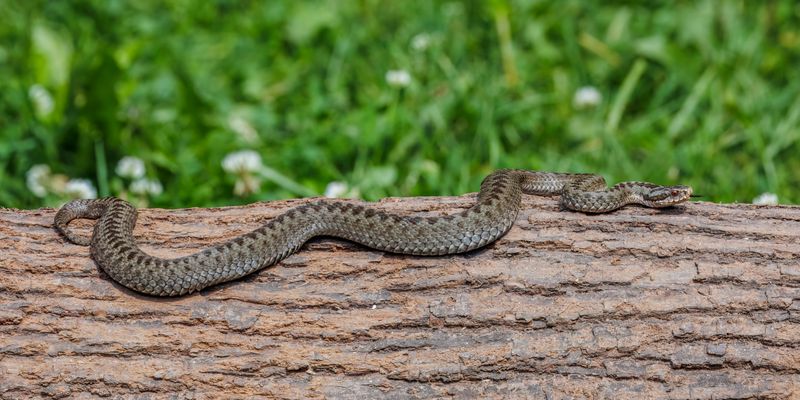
(696, 302)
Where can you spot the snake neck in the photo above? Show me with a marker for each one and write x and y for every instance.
(636, 192)
(592, 196)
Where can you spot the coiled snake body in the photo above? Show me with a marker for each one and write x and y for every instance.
(113, 246)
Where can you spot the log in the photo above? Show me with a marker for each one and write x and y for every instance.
(700, 301)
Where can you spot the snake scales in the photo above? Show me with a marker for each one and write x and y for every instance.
(113, 246)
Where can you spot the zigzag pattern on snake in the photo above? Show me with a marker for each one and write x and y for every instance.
(114, 249)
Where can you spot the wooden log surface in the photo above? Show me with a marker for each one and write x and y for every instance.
(695, 302)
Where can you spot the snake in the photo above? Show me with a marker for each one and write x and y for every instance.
(113, 246)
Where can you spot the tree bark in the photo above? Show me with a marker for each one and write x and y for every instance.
(695, 302)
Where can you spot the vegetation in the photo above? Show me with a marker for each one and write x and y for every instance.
(395, 98)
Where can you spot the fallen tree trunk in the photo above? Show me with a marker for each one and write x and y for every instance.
(700, 302)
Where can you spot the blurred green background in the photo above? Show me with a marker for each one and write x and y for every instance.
(392, 98)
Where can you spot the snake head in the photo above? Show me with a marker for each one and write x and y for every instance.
(665, 196)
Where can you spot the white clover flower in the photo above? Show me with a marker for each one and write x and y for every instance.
(130, 167)
(42, 100)
(243, 128)
(421, 41)
(587, 96)
(336, 189)
(769, 199)
(398, 78)
(242, 162)
(139, 186)
(80, 189)
(246, 184)
(146, 187)
(155, 188)
(36, 179)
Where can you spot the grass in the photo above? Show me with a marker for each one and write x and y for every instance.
(703, 93)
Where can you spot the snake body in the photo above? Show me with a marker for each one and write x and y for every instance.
(114, 249)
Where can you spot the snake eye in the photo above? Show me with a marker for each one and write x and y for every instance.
(674, 192)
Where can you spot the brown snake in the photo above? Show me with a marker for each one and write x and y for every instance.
(113, 246)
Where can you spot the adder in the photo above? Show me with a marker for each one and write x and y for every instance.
(114, 248)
